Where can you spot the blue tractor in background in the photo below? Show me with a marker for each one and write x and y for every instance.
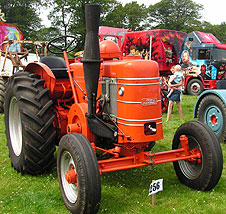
(210, 108)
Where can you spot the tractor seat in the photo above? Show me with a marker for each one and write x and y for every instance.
(57, 66)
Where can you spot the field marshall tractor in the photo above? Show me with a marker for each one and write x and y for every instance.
(104, 106)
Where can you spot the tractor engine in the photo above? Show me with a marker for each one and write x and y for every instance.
(127, 107)
(124, 104)
(130, 98)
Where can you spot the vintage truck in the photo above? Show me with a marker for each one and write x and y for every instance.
(167, 47)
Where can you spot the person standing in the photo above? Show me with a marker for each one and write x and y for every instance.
(175, 79)
(175, 97)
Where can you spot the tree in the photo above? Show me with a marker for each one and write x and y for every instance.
(115, 16)
(68, 16)
(24, 14)
(132, 16)
(217, 30)
(47, 34)
(182, 15)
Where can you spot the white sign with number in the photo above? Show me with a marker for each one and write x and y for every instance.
(156, 186)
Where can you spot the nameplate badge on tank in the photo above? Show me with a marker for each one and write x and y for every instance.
(148, 101)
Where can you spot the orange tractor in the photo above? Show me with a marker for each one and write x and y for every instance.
(102, 105)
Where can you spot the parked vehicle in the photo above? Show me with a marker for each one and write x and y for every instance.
(102, 104)
(14, 55)
(206, 54)
(210, 108)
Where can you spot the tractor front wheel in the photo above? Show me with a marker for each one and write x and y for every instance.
(205, 173)
(29, 124)
(78, 174)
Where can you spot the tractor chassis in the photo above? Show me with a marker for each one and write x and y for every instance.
(144, 158)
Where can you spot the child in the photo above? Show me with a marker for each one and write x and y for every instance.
(175, 91)
(175, 79)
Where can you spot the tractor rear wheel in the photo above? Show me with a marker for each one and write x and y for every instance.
(78, 174)
(29, 124)
(212, 111)
(203, 175)
(2, 92)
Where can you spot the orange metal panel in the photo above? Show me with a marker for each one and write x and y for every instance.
(141, 102)
(76, 116)
(45, 73)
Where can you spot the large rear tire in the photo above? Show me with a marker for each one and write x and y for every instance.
(212, 111)
(76, 154)
(2, 94)
(29, 124)
(202, 175)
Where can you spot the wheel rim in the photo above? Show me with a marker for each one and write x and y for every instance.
(66, 164)
(213, 118)
(195, 87)
(191, 170)
(15, 126)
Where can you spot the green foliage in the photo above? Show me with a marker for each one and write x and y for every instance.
(24, 14)
(181, 15)
(47, 34)
(217, 30)
(131, 16)
(123, 192)
(68, 17)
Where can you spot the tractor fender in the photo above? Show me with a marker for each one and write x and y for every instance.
(44, 72)
(221, 93)
(77, 121)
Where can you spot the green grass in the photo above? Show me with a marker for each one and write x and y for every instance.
(122, 192)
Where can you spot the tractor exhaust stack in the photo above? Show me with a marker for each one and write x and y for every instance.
(91, 59)
(91, 66)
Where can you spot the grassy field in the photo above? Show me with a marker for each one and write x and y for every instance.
(122, 192)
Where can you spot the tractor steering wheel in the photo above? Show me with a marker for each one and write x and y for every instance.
(62, 43)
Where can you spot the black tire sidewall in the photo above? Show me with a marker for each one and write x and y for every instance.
(88, 174)
(65, 145)
(202, 182)
(38, 133)
(217, 156)
(2, 94)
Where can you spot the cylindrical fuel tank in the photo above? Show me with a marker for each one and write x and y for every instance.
(135, 103)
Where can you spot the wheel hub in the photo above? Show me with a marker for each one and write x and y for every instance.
(214, 118)
(193, 167)
(71, 177)
(195, 87)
